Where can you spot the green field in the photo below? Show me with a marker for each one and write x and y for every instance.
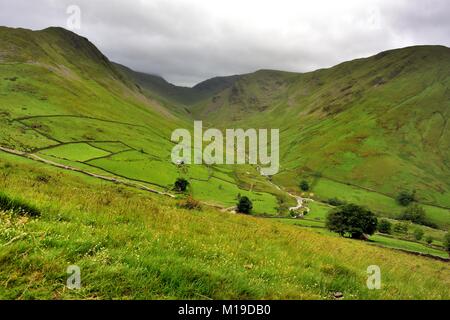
(75, 152)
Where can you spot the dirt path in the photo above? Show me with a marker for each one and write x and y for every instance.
(300, 200)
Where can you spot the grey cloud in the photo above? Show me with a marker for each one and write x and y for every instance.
(187, 41)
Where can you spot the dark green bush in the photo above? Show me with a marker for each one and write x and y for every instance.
(447, 241)
(418, 234)
(405, 198)
(384, 226)
(244, 205)
(304, 185)
(416, 214)
(335, 202)
(17, 206)
(181, 184)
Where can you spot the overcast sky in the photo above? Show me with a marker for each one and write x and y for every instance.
(187, 41)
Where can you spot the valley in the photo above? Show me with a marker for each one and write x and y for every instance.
(88, 142)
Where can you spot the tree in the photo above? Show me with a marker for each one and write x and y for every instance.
(416, 214)
(336, 202)
(405, 198)
(353, 220)
(401, 228)
(418, 234)
(304, 185)
(429, 239)
(384, 226)
(244, 205)
(181, 184)
(447, 241)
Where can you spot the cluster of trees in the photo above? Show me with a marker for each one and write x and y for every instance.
(416, 214)
(359, 222)
(413, 211)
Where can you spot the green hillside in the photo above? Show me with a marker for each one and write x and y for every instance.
(61, 95)
(378, 124)
(390, 112)
(182, 98)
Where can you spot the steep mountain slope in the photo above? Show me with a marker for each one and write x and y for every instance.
(176, 96)
(55, 70)
(156, 87)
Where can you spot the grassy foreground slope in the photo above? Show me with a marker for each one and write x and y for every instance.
(130, 244)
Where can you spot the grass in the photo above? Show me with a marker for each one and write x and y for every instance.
(17, 206)
(407, 245)
(76, 152)
(222, 192)
(395, 242)
(135, 245)
(135, 165)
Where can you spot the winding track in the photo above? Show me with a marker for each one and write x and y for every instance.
(299, 199)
